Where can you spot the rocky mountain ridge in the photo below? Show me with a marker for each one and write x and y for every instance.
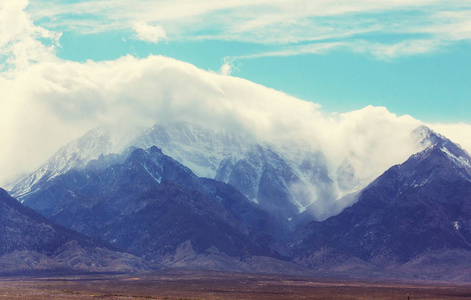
(151, 205)
(28, 242)
(284, 180)
(414, 209)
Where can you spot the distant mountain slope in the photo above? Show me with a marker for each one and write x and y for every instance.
(281, 184)
(75, 155)
(151, 205)
(419, 209)
(29, 241)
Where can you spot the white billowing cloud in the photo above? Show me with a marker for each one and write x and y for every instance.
(419, 26)
(53, 102)
(19, 44)
(371, 139)
(459, 133)
(148, 33)
(160, 88)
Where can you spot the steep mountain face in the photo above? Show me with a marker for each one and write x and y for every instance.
(280, 184)
(200, 149)
(275, 184)
(29, 241)
(151, 205)
(294, 182)
(416, 209)
(75, 155)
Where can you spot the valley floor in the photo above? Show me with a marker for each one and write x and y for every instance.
(180, 284)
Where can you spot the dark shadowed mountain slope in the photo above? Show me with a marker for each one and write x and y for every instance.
(420, 207)
(169, 216)
(28, 241)
(151, 206)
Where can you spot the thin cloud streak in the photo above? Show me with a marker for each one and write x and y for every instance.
(277, 22)
(379, 51)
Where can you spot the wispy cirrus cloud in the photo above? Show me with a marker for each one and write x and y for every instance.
(384, 29)
(380, 51)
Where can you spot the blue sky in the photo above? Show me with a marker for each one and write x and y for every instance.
(411, 56)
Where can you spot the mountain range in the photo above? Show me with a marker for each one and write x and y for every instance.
(30, 242)
(181, 195)
(414, 212)
(284, 180)
(152, 191)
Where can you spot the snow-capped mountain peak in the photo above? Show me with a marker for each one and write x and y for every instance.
(285, 180)
(76, 154)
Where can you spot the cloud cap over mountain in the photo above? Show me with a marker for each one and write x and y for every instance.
(49, 101)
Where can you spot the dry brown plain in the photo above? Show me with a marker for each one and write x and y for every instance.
(178, 284)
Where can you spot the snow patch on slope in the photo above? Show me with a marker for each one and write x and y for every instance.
(460, 161)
